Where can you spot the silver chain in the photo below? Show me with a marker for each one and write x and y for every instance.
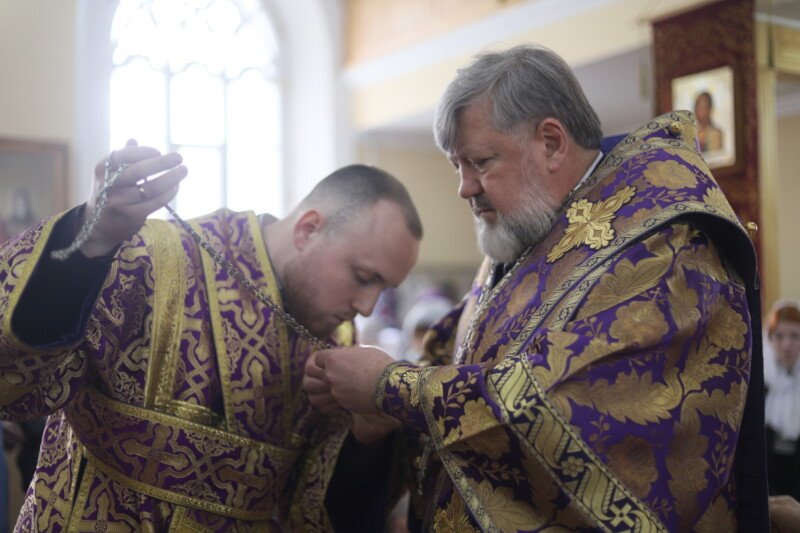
(91, 222)
(218, 258)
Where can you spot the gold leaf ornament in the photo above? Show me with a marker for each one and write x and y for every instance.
(670, 174)
(590, 223)
(507, 513)
(453, 518)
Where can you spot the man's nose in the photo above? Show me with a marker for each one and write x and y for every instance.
(469, 185)
(365, 300)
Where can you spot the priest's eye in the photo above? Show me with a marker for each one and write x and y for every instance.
(480, 164)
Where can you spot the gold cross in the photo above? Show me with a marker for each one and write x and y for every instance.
(248, 477)
(621, 515)
(154, 454)
(590, 223)
(53, 499)
(101, 525)
(259, 393)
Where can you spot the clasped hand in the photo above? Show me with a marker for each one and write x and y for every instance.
(132, 197)
(345, 378)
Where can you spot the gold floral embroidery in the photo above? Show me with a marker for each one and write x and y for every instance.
(690, 156)
(406, 380)
(728, 329)
(477, 417)
(683, 303)
(718, 517)
(687, 467)
(454, 518)
(639, 323)
(494, 444)
(628, 397)
(634, 463)
(590, 223)
(670, 174)
(573, 466)
(716, 199)
(507, 513)
(626, 281)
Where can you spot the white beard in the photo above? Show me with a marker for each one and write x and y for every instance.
(514, 232)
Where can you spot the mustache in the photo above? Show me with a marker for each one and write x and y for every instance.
(480, 203)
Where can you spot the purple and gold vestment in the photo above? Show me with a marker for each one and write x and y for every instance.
(601, 384)
(181, 402)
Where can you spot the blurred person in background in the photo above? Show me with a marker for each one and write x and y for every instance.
(782, 379)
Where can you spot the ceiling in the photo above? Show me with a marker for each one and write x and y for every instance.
(620, 88)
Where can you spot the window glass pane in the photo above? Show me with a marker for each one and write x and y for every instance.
(254, 154)
(255, 181)
(201, 191)
(200, 77)
(138, 105)
(253, 46)
(133, 31)
(197, 108)
(254, 111)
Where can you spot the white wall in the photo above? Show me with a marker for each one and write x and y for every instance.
(449, 239)
(37, 60)
(788, 203)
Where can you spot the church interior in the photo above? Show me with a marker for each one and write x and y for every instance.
(266, 97)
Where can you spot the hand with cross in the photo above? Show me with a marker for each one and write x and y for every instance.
(131, 197)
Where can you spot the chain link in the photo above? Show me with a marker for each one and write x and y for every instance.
(237, 274)
(100, 203)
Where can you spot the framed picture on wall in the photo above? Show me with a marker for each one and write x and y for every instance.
(33, 179)
(710, 95)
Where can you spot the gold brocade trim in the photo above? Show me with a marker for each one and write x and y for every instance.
(450, 462)
(218, 332)
(181, 522)
(130, 413)
(158, 417)
(549, 438)
(272, 290)
(637, 142)
(172, 497)
(169, 288)
(380, 386)
(76, 517)
(21, 282)
(307, 510)
(665, 216)
(193, 413)
(470, 312)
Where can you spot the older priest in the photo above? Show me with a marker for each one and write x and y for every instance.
(605, 372)
(174, 395)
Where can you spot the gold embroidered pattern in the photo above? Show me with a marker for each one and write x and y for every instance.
(590, 223)
(169, 289)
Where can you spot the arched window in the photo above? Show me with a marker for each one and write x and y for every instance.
(202, 77)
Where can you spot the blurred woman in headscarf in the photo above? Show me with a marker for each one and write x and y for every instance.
(782, 379)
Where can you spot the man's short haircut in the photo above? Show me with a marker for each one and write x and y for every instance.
(524, 84)
(347, 192)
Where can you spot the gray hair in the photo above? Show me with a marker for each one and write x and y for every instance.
(349, 191)
(525, 84)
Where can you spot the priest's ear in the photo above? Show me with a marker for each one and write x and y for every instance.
(553, 141)
(307, 228)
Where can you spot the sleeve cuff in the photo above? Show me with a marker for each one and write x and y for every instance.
(380, 386)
